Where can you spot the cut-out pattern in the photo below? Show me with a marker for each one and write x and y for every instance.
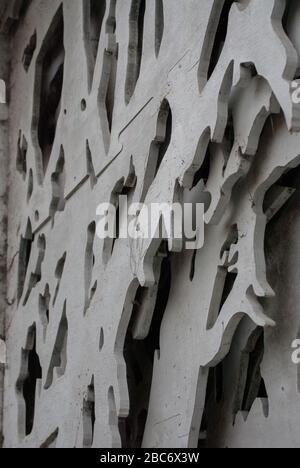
(58, 275)
(90, 166)
(36, 276)
(140, 356)
(22, 155)
(29, 51)
(88, 267)
(94, 12)
(44, 308)
(59, 355)
(89, 417)
(50, 442)
(123, 188)
(30, 374)
(58, 184)
(24, 257)
(48, 90)
(106, 96)
(159, 25)
(135, 48)
(159, 146)
(30, 186)
(251, 384)
(156, 343)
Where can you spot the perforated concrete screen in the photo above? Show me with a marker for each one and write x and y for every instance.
(153, 341)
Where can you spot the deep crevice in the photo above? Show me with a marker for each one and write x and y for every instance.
(106, 98)
(30, 373)
(89, 416)
(214, 396)
(139, 356)
(50, 442)
(255, 385)
(36, 276)
(24, 257)
(94, 12)
(90, 166)
(44, 308)
(48, 91)
(202, 173)
(30, 186)
(59, 270)
(88, 267)
(225, 279)
(58, 180)
(280, 192)
(159, 146)
(123, 188)
(22, 155)
(135, 47)
(159, 25)
(220, 37)
(29, 51)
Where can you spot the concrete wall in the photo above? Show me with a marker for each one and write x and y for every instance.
(140, 342)
(4, 161)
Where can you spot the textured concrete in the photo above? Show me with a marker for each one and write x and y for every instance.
(139, 343)
(4, 75)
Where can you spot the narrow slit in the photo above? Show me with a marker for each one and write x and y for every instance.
(135, 48)
(94, 12)
(159, 25)
(59, 355)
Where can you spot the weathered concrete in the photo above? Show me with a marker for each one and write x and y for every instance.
(136, 342)
(4, 160)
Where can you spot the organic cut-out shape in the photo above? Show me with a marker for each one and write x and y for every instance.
(50, 442)
(59, 270)
(279, 194)
(30, 186)
(44, 308)
(59, 354)
(106, 97)
(159, 25)
(88, 267)
(22, 155)
(24, 257)
(47, 92)
(159, 146)
(220, 37)
(135, 47)
(113, 419)
(58, 180)
(140, 354)
(89, 416)
(90, 166)
(225, 279)
(93, 15)
(29, 51)
(124, 188)
(26, 386)
(214, 396)
(101, 340)
(36, 276)
(251, 384)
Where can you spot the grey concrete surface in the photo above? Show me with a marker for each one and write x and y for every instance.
(138, 342)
